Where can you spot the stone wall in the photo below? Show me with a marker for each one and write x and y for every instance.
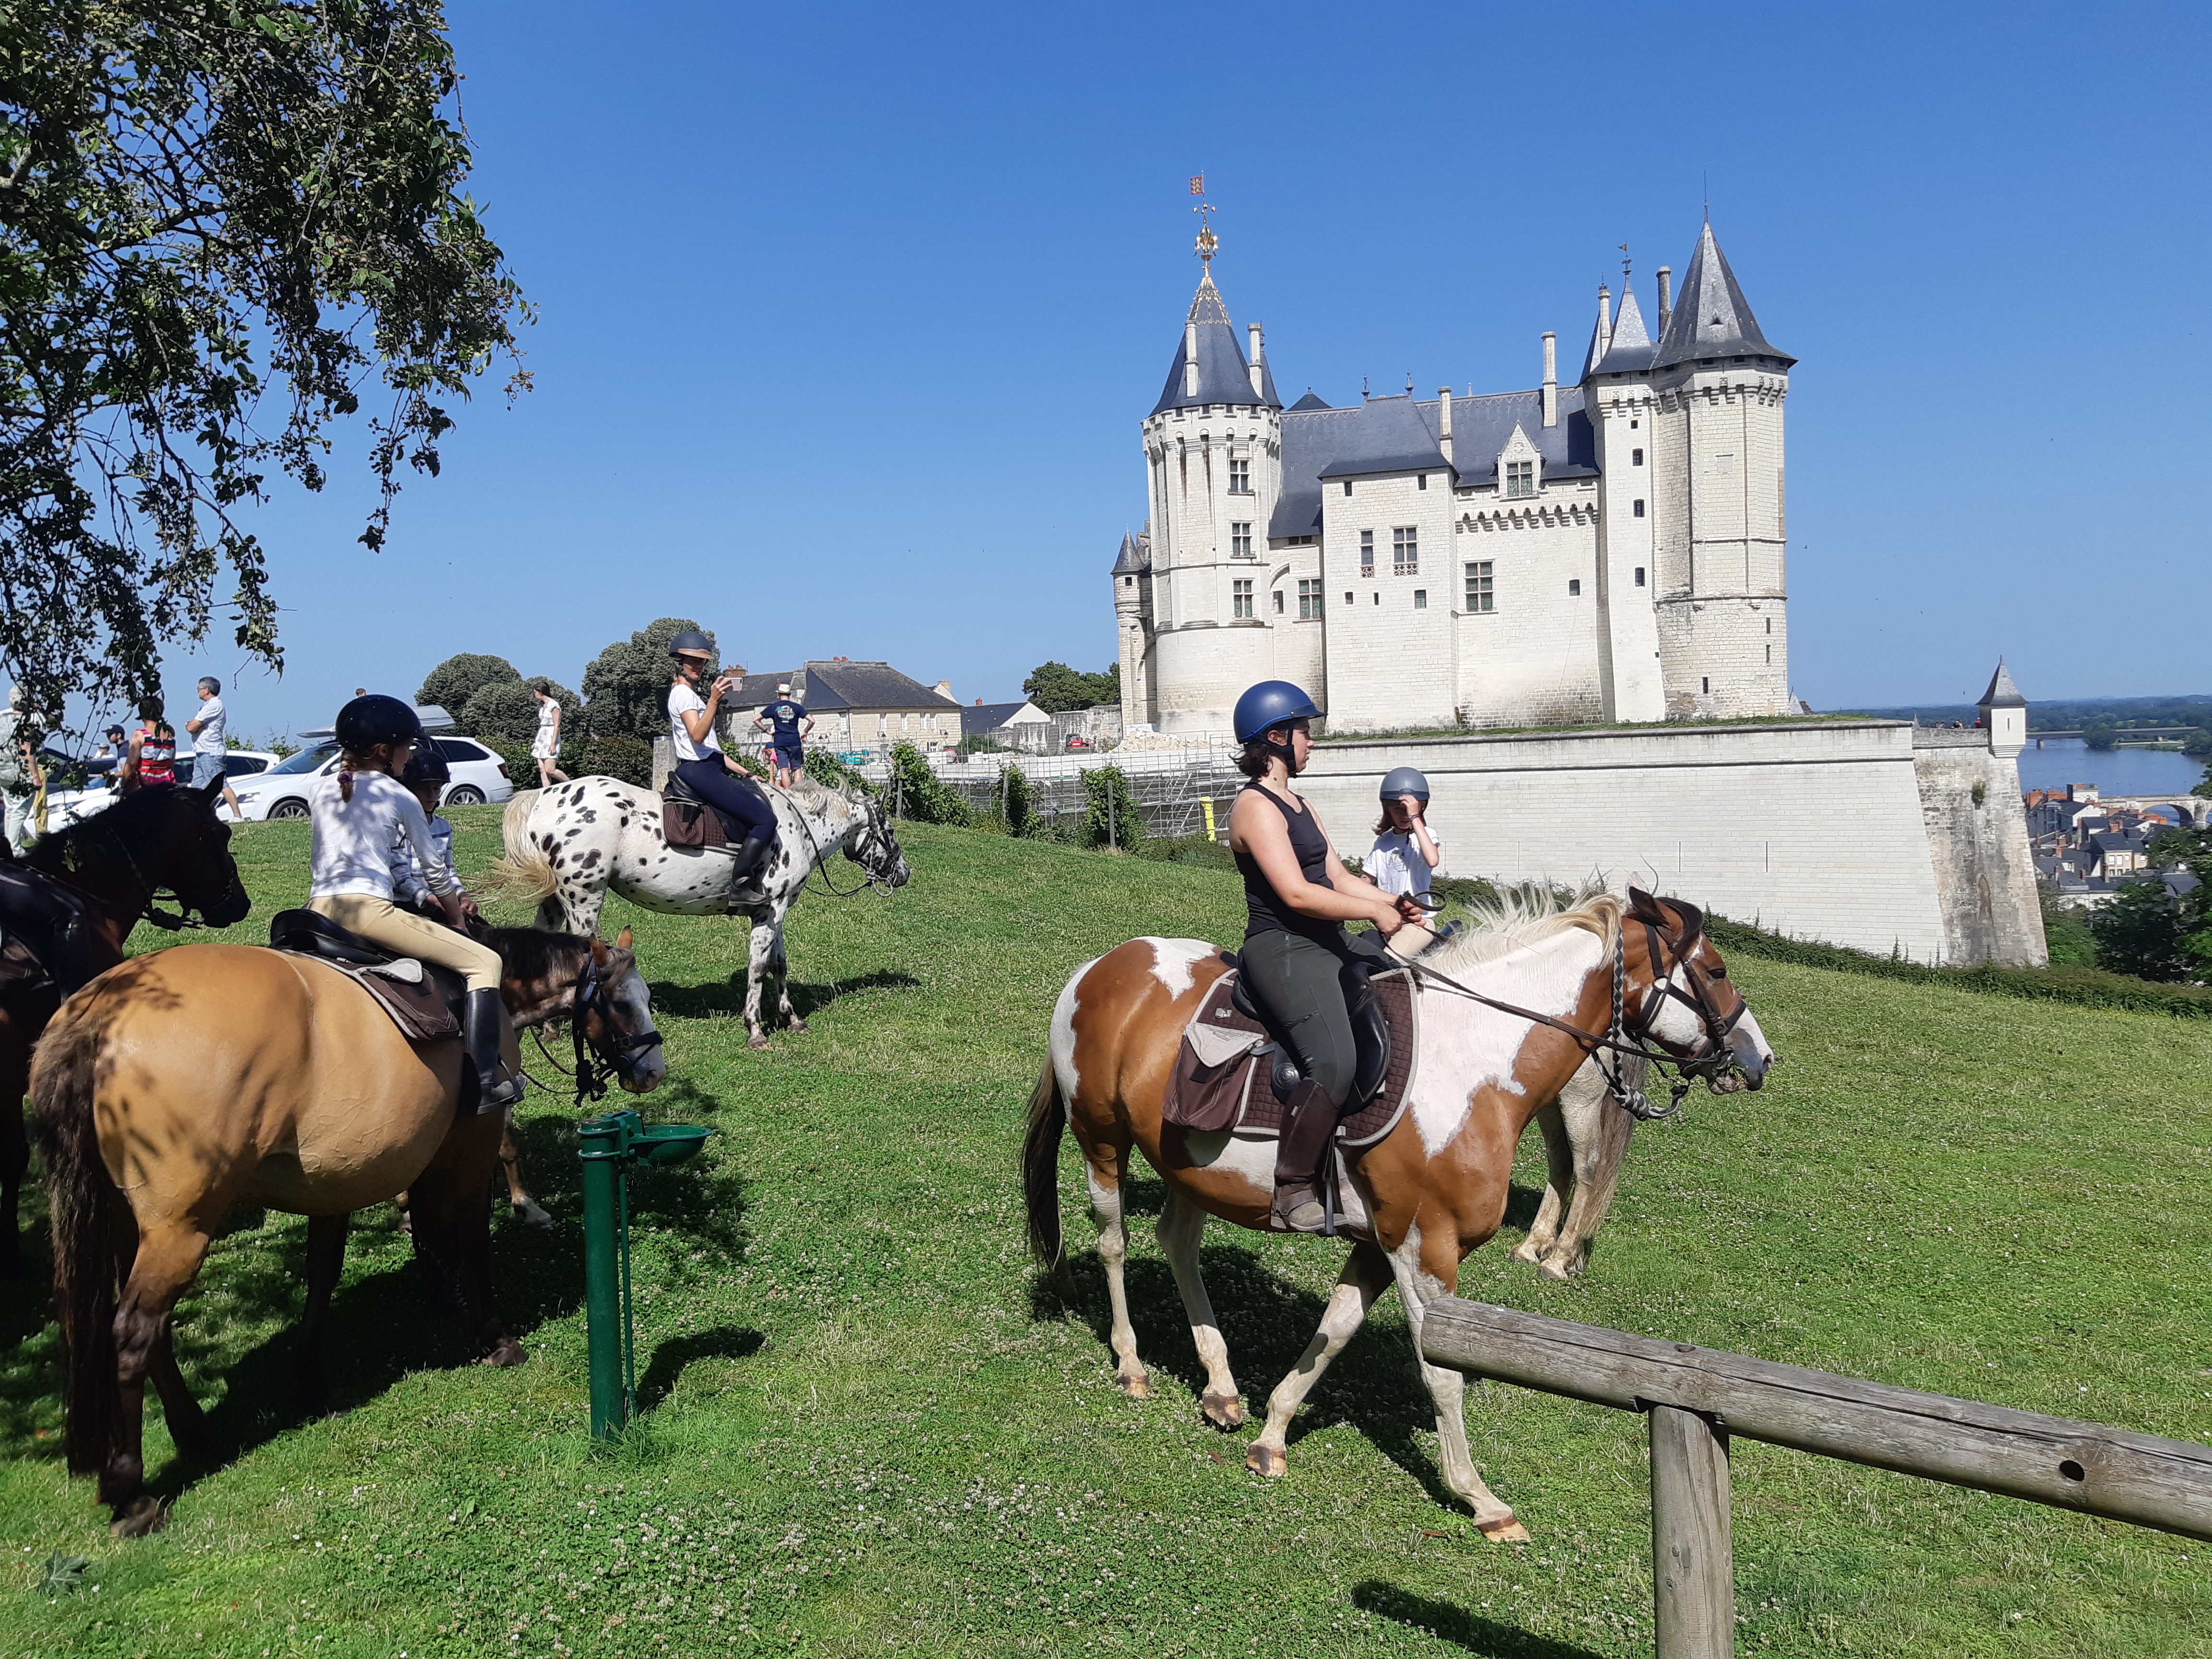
(1819, 830)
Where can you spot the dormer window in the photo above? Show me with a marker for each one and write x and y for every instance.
(1520, 478)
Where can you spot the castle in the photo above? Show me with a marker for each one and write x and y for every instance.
(1610, 549)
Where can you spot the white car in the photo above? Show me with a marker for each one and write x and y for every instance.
(75, 794)
(281, 791)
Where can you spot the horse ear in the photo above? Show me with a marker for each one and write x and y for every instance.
(213, 793)
(599, 951)
(1643, 905)
(621, 941)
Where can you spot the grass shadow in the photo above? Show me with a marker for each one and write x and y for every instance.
(724, 998)
(1469, 1631)
(669, 1360)
(1521, 1204)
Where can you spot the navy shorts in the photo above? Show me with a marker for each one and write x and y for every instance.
(790, 757)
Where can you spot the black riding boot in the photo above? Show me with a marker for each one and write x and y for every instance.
(745, 890)
(1311, 1124)
(497, 1087)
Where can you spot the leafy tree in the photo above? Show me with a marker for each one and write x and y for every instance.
(2103, 735)
(2139, 933)
(1111, 816)
(1018, 802)
(219, 225)
(917, 792)
(1056, 688)
(626, 687)
(454, 681)
(506, 709)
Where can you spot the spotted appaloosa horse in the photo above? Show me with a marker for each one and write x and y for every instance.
(1435, 1187)
(567, 845)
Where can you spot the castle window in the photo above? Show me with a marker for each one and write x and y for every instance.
(1405, 551)
(1639, 575)
(1520, 478)
(1309, 599)
(1379, 596)
(1240, 477)
(1347, 486)
(1639, 508)
(1240, 540)
(1635, 459)
(1421, 480)
(1240, 599)
(1279, 601)
(1366, 552)
(1574, 586)
(1128, 581)
(1421, 601)
(1770, 624)
(1769, 656)
(1707, 683)
(1480, 597)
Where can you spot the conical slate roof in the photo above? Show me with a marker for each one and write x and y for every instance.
(2002, 693)
(1134, 558)
(1712, 319)
(1630, 352)
(1223, 374)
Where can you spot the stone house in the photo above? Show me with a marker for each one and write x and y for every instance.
(858, 707)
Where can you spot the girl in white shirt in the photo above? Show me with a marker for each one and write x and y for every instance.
(1405, 856)
(708, 772)
(361, 812)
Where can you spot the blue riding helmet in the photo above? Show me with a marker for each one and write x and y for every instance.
(1269, 704)
(1405, 781)
(367, 721)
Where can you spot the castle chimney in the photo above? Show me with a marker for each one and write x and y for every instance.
(1190, 358)
(1666, 298)
(1551, 378)
(1604, 321)
(1257, 360)
(1444, 423)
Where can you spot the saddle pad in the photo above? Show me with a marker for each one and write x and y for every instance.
(19, 969)
(415, 1005)
(1221, 1076)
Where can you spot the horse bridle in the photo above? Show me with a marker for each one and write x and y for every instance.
(882, 884)
(146, 910)
(597, 1057)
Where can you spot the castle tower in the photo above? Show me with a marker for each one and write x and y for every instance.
(2004, 714)
(1213, 455)
(1618, 394)
(1716, 465)
(1132, 609)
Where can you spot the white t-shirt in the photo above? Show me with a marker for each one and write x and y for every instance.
(354, 839)
(1395, 864)
(208, 740)
(682, 700)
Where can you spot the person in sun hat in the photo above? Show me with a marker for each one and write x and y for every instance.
(788, 724)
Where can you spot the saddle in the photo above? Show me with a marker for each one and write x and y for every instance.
(687, 821)
(1215, 1084)
(424, 1000)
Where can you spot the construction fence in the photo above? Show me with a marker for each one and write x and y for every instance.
(1174, 803)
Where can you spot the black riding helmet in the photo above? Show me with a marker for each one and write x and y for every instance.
(427, 766)
(367, 721)
(691, 642)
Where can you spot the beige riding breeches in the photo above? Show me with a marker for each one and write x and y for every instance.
(382, 922)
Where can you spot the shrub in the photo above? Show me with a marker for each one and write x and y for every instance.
(1111, 816)
(454, 681)
(915, 792)
(521, 771)
(1017, 803)
(629, 759)
(2139, 933)
(824, 767)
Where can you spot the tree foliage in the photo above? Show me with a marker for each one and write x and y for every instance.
(1111, 816)
(626, 687)
(915, 792)
(454, 681)
(2139, 934)
(506, 709)
(220, 223)
(1056, 688)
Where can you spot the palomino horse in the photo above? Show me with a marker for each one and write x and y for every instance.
(163, 838)
(1436, 1186)
(194, 1078)
(567, 845)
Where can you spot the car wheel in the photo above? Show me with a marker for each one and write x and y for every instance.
(466, 794)
(293, 807)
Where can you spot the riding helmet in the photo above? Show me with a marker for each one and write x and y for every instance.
(1269, 704)
(427, 766)
(690, 642)
(1402, 781)
(369, 720)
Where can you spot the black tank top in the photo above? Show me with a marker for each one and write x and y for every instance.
(1264, 909)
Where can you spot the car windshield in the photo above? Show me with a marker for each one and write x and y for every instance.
(306, 760)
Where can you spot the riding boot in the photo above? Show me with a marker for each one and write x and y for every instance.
(745, 890)
(497, 1088)
(1311, 1123)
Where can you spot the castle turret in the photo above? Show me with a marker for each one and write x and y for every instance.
(2004, 714)
(1132, 625)
(1617, 392)
(1716, 465)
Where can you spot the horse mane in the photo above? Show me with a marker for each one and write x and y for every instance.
(50, 854)
(1524, 915)
(536, 953)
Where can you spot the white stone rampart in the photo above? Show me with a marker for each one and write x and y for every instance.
(1819, 830)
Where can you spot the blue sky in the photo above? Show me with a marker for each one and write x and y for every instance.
(848, 316)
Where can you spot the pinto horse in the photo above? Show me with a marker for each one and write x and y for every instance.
(163, 838)
(1436, 1186)
(191, 1079)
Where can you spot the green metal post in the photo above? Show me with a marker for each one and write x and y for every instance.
(603, 1147)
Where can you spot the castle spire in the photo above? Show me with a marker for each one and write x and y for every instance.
(1710, 318)
(1628, 349)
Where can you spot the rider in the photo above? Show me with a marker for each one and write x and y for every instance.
(1405, 855)
(1298, 961)
(360, 812)
(708, 772)
(426, 778)
(791, 723)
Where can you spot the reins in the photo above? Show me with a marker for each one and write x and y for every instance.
(821, 865)
(597, 1059)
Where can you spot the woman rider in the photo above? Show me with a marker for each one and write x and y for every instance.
(1298, 961)
(708, 772)
(361, 812)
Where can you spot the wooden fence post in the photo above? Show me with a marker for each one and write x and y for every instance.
(1692, 1561)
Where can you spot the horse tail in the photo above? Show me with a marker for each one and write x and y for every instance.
(522, 871)
(1040, 1167)
(92, 1224)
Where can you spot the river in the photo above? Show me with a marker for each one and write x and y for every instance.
(2114, 771)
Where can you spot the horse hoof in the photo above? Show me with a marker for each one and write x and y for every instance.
(756, 1043)
(796, 1024)
(1224, 1411)
(505, 1352)
(1135, 1384)
(1560, 1267)
(141, 1516)
(1503, 1530)
(1525, 1251)
(1261, 1458)
(533, 1216)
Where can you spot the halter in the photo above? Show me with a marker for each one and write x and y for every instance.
(596, 1057)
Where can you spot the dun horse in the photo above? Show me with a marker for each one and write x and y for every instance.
(194, 1078)
(1435, 1187)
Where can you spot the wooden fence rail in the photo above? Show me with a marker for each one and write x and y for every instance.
(1698, 1398)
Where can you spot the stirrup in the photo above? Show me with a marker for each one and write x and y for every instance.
(1307, 1215)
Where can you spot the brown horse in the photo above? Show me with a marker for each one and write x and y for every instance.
(1436, 1186)
(159, 839)
(191, 1079)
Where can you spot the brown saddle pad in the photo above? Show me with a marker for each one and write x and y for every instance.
(18, 968)
(689, 823)
(415, 1006)
(1221, 1078)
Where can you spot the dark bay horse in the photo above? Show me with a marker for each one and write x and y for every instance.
(163, 838)
(184, 1082)
(1435, 1188)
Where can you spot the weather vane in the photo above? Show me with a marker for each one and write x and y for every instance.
(1207, 241)
(1623, 265)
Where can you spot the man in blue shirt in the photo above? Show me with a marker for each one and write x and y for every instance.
(790, 722)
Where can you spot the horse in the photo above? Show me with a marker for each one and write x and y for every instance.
(1509, 1012)
(191, 1079)
(164, 838)
(1586, 1132)
(567, 846)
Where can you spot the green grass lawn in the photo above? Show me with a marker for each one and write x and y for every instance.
(871, 1430)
